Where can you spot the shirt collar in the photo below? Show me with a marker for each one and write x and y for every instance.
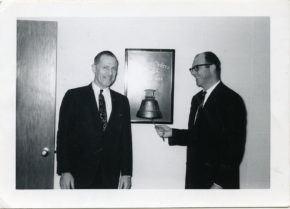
(208, 92)
(97, 89)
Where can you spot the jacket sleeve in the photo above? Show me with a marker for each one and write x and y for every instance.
(181, 136)
(126, 146)
(64, 133)
(233, 146)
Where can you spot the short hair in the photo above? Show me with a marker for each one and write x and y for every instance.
(212, 58)
(107, 53)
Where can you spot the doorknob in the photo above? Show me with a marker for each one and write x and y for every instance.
(45, 152)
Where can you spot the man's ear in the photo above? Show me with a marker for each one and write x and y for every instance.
(212, 68)
(93, 68)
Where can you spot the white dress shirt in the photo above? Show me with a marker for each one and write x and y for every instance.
(107, 96)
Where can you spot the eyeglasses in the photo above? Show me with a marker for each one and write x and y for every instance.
(197, 67)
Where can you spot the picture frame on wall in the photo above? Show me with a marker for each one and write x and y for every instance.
(149, 79)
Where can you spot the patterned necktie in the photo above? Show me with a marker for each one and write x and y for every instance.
(102, 110)
(200, 102)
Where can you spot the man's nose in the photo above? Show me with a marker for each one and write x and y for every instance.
(111, 71)
(194, 73)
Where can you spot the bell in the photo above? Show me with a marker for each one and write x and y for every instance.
(149, 106)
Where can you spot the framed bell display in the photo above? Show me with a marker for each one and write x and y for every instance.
(149, 84)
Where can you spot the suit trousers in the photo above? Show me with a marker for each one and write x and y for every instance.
(97, 183)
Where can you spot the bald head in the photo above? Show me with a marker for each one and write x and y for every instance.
(208, 58)
(206, 69)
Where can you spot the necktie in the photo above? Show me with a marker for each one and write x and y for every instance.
(102, 110)
(200, 104)
(201, 98)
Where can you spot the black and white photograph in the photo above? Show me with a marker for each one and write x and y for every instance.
(237, 110)
(130, 110)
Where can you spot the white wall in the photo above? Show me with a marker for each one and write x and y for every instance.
(242, 45)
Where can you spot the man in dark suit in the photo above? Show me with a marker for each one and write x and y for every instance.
(94, 145)
(216, 133)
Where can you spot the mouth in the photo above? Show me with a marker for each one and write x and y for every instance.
(107, 78)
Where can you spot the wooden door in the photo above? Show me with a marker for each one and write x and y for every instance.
(35, 104)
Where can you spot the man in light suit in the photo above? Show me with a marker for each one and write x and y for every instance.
(216, 133)
(94, 145)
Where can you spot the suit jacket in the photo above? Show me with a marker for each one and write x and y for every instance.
(83, 148)
(215, 141)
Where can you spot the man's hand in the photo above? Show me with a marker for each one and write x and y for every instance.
(163, 131)
(125, 182)
(67, 181)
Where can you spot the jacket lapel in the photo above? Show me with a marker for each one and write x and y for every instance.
(212, 97)
(92, 104)
(114, 112)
